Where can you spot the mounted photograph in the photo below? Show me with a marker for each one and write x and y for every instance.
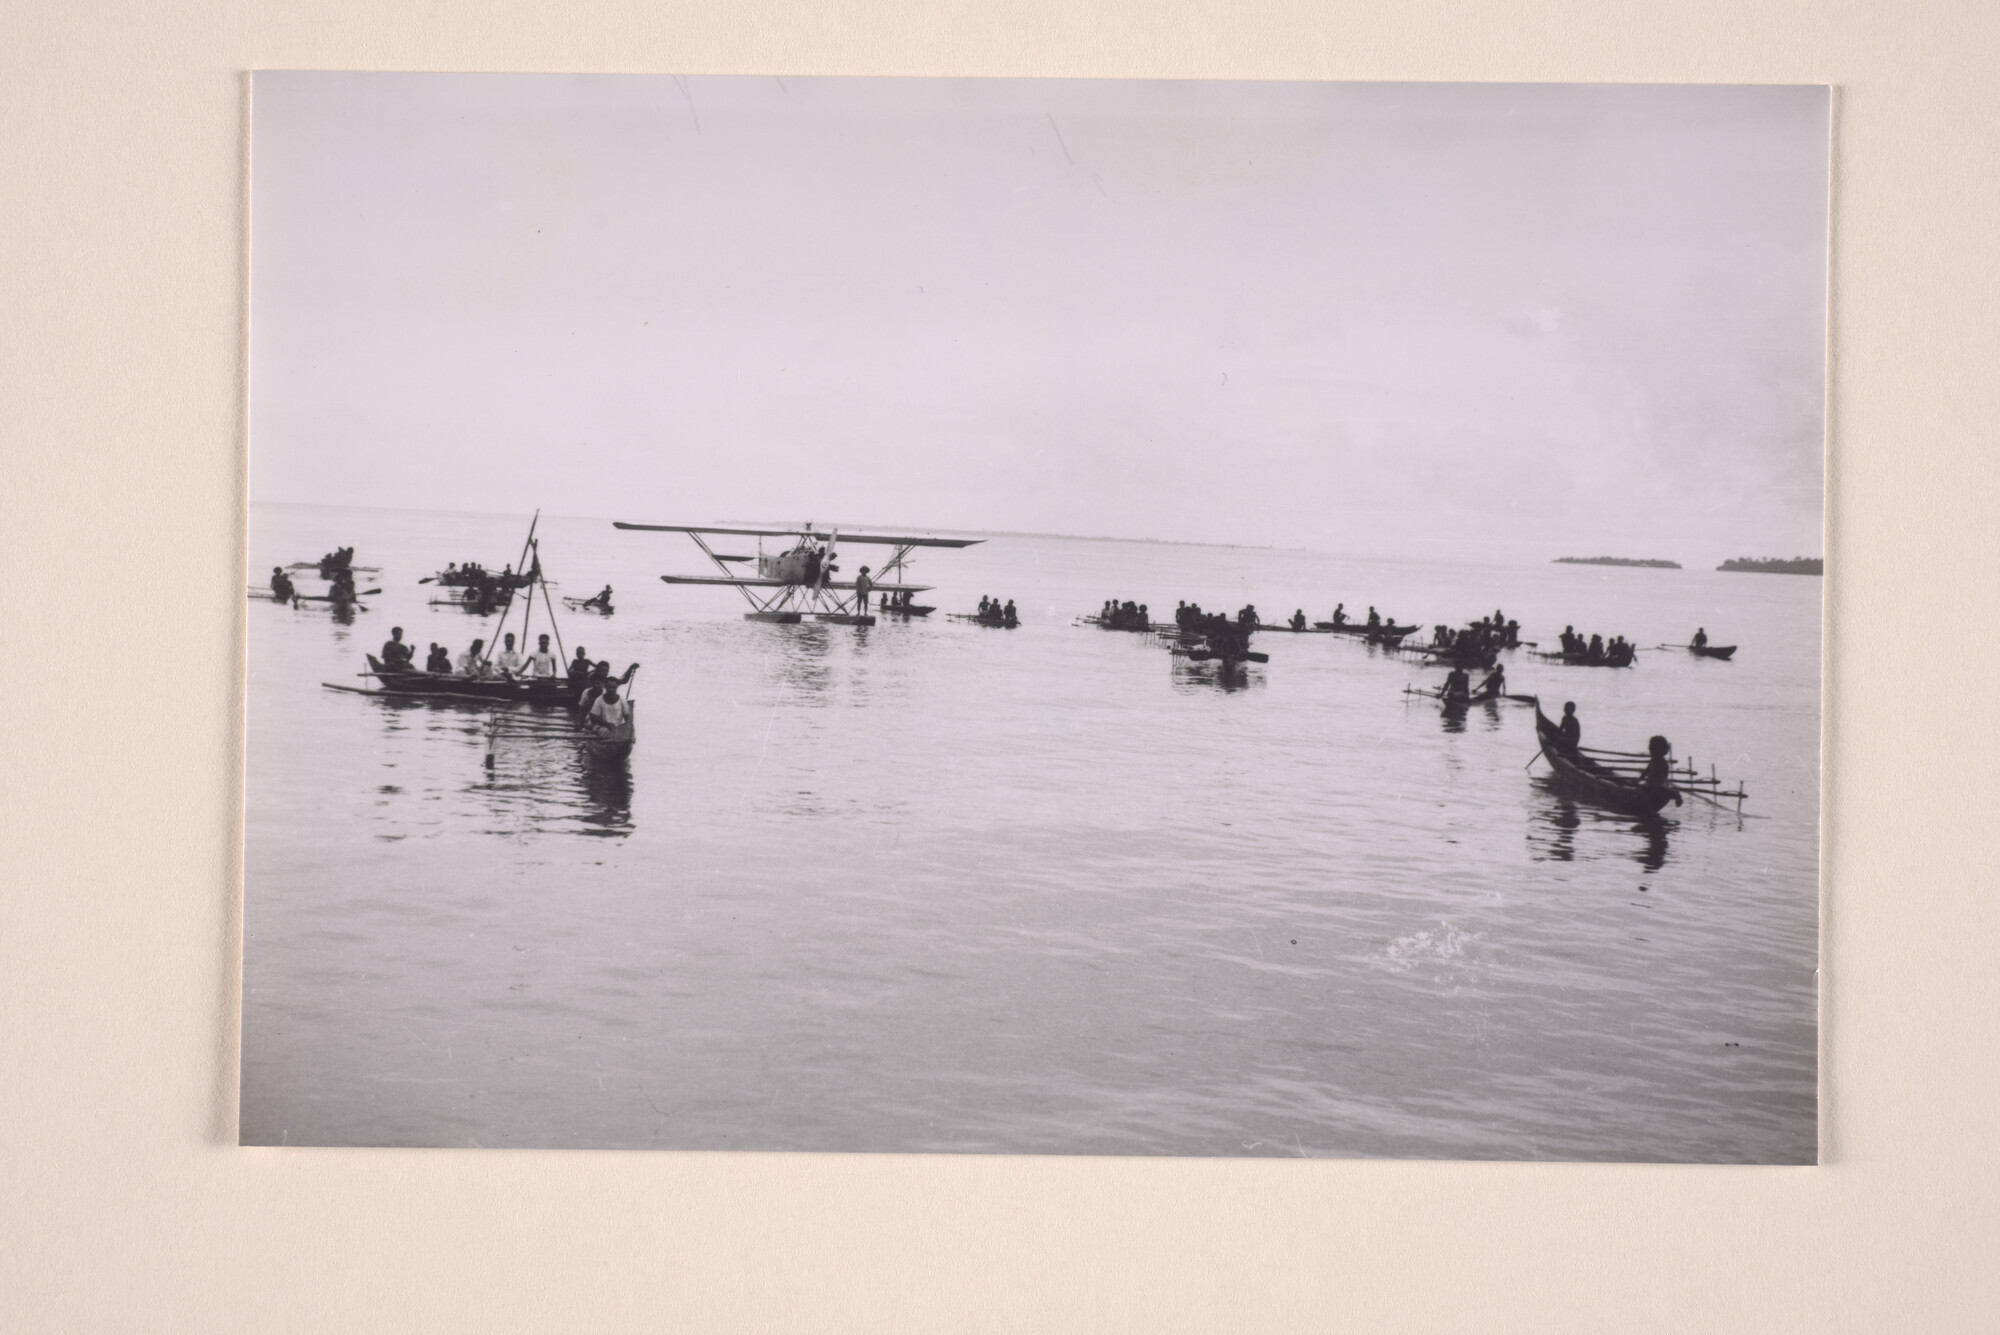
(1034, 616)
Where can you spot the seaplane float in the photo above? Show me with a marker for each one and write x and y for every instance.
(799, 580)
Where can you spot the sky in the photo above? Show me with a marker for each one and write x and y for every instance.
(1499, 321)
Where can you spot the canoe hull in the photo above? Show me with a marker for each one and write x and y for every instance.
(1592, 785)
(609, 744)
(1722, 651)
(519, 691)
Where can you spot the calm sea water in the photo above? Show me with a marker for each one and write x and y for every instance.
(934, 887)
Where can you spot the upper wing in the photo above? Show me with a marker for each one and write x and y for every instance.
(792, 584)
(885, 539)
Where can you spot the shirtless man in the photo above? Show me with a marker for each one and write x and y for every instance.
(396, 654)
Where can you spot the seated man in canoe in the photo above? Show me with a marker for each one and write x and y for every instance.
(542, 663)
(281, 585)
(579, 667)
(1298, 621)
(508, 661)
(602, 600)
(601, 681)
(1494, 685)
(1570, 731)
(1340, 614)
(1656, 777)
(1008, 617)
(1457, 686)
(472, 663)
(439, 660)
(1700, 640)
(608, 711)
(396, 655)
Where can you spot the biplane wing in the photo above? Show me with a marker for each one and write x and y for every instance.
(884, 539)
(755, 582)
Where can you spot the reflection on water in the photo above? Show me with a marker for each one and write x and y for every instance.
(1558, 822)
(801, 660)
(526, 766)
(1198, 677)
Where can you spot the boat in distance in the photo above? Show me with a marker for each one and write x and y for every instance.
(1722, 651)
(1386, 629)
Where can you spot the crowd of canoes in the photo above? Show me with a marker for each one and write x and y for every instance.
(1638, 783)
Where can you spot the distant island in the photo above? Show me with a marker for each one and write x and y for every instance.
(1772, 565)
(1614, 561)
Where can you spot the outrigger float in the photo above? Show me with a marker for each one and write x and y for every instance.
(798, 582)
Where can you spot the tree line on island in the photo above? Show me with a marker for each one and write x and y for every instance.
(1764, 565)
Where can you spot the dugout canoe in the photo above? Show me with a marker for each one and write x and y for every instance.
(1583, 778)
(504, 690)
(1583, 660)
(1386, 629)
(1722, 651)
(605, 743)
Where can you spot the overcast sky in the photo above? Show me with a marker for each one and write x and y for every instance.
(1508, 320)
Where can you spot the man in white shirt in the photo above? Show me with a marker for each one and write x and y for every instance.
(469, 664)
(542, 663)
(507, 660)
(610, 710)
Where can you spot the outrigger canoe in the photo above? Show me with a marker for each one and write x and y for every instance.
(1584, 660)
(997, 623)
(1386, 629)
(511, 690)
(1722, 651)
(586, 605)
(1584, 778)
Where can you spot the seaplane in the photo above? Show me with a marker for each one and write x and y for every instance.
(798, 581)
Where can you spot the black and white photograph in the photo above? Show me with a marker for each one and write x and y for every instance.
(1017, 616)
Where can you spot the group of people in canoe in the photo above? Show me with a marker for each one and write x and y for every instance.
(1617, 653)
(993, 613)
(1458, 686)
(1225, 636)
(1115, 615)
(593, 681)
(1374, 621)
(1487, 633)
(340, 591)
